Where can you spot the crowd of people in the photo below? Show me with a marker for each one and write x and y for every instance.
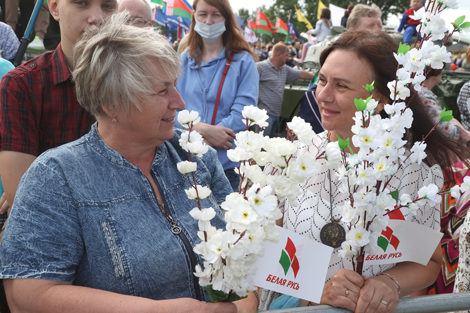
(97, 218)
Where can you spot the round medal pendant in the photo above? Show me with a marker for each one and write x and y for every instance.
(332, 234)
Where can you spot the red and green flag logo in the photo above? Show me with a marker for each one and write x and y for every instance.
(387, 237)
(179, 8)
(281, 27)
(289, 259)
(263, 24)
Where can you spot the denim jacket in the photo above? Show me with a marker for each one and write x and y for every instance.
(83, 213)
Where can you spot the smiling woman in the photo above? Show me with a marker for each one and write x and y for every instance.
(110, 230)
(353, 61)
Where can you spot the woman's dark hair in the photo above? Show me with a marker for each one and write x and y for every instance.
(326, 14)
(433, 72)
(377, 49)
(232, 38)
(348, 10)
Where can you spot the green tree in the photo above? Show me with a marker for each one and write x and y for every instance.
(244, 14)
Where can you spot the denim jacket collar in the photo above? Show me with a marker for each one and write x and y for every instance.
(97, 143)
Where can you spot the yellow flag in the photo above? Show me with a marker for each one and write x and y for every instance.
(302, 18)
(321, 6)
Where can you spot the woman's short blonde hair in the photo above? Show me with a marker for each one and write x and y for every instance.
(115, 62)
(361, 10)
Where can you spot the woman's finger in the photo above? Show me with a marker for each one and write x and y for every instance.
(4, 206)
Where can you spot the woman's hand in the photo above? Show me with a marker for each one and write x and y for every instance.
(4, 206)
(343, 290)
(379, 294)
(216, 136)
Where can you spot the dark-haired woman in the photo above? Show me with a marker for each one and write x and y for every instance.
(219, 77)
(354, 60)
(453, 129)
(347, 12)
(322, 28)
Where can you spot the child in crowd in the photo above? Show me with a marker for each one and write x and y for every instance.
(408, 23)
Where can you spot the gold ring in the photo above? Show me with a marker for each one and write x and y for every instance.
(384, 302)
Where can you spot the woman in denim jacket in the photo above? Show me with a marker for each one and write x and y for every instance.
(101, 224)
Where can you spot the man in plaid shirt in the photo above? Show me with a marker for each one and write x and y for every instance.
(38, 105)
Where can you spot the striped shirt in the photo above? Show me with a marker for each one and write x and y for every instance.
(271, 85)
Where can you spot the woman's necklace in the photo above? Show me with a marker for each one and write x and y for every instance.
(332, 234)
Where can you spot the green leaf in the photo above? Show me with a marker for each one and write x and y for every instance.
(465, 25)
(404, 48)
(360, 104)
(220, 296)
(350, 150)
(343, 144)
(445, 115)
(394, 195)
(368, 99)
(459, 21)
(370, 87)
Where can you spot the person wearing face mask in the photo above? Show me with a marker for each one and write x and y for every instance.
(219, 77)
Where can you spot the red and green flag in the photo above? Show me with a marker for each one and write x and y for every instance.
(178, 8)
(288, 258)
(387, 237)
(263, 24)
(161, 3)
(281, 27)
(252, 25)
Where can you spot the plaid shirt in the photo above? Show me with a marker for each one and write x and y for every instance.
(38, 106)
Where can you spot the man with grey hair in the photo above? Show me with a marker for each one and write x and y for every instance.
(365, 17)
(273, 75)
(141, 13)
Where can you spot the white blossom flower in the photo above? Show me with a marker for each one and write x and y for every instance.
(358, 236)
(201, 193)
(415, 63)
(255, 116)
(186, 167)
(418, 153)
(262, 199)
(418, 15)
(452, 4)
(399, 89)
(307, 165)
(249, 141)
(430, 192)
(187, 137)
(333, 155)
(185, 117)
(455, 192)
(205, 214)
(465, 186)
(346, 252)
(439, 57)
(302, 130)
(239, 154)
(401, 58)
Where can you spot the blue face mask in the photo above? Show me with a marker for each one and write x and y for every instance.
(210, 33)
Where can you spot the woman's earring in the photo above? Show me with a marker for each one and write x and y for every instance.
(114, 120)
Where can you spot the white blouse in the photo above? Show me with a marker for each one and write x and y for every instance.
(314, 212)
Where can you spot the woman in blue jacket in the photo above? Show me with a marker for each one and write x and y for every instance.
(215, 40)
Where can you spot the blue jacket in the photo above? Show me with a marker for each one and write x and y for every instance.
(198, 87)
(83, 213)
